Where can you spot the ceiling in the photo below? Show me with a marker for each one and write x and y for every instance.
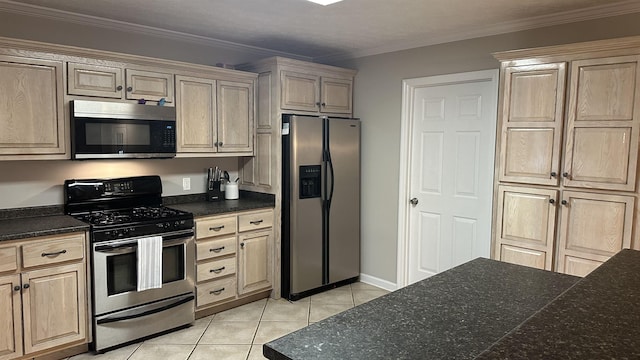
(298, 28)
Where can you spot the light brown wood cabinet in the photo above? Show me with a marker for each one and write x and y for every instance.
(234, 254)
(308, 91)
(565, 190)
(37, 82)
(44, 304)
(214, 116)
(108, 82)
(31, 109)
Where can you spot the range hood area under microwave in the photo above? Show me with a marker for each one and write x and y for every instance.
(112, 130)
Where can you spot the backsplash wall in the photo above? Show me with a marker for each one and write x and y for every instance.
(39, 183)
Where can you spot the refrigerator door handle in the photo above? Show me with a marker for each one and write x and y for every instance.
(332, 176)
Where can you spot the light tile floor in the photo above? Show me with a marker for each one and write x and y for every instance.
(240, 332)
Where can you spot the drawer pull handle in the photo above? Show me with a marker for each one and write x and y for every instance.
(54, 253)
(216, 292)
(217, 250)
(256, 222)
(217, 271)
(217, 228)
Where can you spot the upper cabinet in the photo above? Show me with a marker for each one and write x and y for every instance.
(118, 83)
(214, 116)
(565, 192)
(287, 86)
(602, 124)
(215, 106)
(314, 93)
(31, 109)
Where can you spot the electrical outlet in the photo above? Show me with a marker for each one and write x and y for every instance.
(186, 184)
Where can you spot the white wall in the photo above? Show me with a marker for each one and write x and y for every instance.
(38, 183)
(377, 101)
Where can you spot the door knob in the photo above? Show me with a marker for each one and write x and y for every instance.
(414, 201)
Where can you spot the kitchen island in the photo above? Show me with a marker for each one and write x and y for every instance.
(486, 309)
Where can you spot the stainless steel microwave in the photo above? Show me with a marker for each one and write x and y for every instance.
(111, 130)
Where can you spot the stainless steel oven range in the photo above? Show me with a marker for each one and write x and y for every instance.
(123, 212)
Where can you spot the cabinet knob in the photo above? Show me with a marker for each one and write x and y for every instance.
(318, 103)
(16, 288)
(324, 104)
(552, 201)
(119, 87)
(564, 202)
(553, 174)
(242, 245)
(220, 144)
(25, 286)
(129, 89)
(565, 174)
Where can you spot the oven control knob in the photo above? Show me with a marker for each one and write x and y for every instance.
(176, 224)
(160, 225)
(167, 225)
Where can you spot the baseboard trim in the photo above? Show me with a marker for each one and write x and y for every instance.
(375, 281)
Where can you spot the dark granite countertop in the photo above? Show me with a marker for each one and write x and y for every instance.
(22, 223)
(200, 207)
(28, 227)
(453, 315)
(598, 318)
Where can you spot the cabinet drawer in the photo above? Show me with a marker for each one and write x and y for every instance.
(53, 251)
(215, 248)
(215, 227)
(215, 269)
(215, 291)
(8, 259)
(255, 221)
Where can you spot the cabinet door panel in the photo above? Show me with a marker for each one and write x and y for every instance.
(532, 117)
(336, 95)
(235, 117)
(579, 267)
(10, 318)
(94, 80)
(520, 256)
(149, 85)
(594, 226)
(601, 155)
(54, 307)
(299, 91)
(255, 261)
(31, 107)
(526, 219)
(196, 111)
(601, 149)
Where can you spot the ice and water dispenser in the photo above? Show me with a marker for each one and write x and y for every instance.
(310, 181)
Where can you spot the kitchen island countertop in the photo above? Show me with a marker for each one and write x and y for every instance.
(453, 315)
(485, 309)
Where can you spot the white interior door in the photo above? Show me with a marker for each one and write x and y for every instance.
(450, 173)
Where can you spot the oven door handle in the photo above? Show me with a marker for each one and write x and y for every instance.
(146, 313)
(116, 249)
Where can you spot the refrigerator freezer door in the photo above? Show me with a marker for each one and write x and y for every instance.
(306, 251)
(344, 212)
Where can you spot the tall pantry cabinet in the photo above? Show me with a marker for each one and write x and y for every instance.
(565, 192)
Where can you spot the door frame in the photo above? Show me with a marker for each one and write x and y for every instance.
(409, 87)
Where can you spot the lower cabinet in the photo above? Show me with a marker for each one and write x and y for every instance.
(572, 232)
(255, 261)
(44, 306)
(234, 257)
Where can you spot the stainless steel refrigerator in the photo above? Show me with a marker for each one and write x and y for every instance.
(320, 204)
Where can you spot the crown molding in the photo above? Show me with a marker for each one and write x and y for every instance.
(595, 12)
(70, 17)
